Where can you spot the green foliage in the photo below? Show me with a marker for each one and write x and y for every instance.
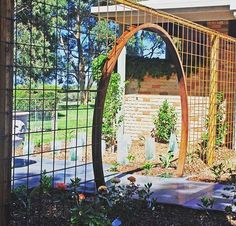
(91, 214)
(137, 67)
(166, 159)
(113, 101)
(38, 143)
(113, 104)
(147, 166)
(114, 167)
(131, 158)
(36, 99)
(165, 122)
(221, 127)
(145, 193)
(21, 194)
(31, 60)
(206, 202)
(97, 66)
(191, 155)
(45, 182)
(25, 196)
(104, 34)
(116, 202)
(218, 170)
(75, 183)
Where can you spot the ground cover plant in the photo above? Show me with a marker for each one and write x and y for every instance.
(117, 204)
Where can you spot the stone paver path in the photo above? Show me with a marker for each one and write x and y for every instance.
(177, 191)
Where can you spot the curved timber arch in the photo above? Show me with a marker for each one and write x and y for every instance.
(102, 89)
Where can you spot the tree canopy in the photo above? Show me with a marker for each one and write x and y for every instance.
(58, 40)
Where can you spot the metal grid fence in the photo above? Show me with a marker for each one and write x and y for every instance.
(205, 64)
(48, 90)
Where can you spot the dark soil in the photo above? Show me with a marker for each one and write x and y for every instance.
(50, 213)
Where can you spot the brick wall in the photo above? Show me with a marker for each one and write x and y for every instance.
(196, 85)
(139, 111)
(220, 26)
(144, 98)
(151, 85)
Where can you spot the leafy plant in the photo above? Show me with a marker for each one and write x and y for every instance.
(147, 166)
(22, 195)
(131, 158)
(75, 183)
(91, 213)
(165, 122)
(218, 171)
(138, 67)
(145, 193)
(113, 101)
(45, 182)
(191, 155)
(114, 167)
(166, 159)
(25, 195)
(116, 202)
(206, 203)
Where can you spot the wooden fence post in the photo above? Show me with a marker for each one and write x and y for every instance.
(6, 85)
(214, 57)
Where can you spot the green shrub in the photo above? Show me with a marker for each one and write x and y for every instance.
(218, 170)
(165, 122)
(166, 159)
(147, 166)
(38, 98)
(113, 101)
(131, 158)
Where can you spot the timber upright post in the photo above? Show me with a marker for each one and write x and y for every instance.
(6, 85)
(214, 57)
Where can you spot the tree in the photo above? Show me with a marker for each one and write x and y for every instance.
(58, 40)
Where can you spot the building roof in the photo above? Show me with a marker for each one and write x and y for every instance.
(194, 10)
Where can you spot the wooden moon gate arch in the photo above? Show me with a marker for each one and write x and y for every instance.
(102, 89)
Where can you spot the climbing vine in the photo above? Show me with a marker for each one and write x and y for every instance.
(113, 100)
(137, 67)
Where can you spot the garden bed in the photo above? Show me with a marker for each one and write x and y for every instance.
(164, 215)
(195, 168)
(57, 206)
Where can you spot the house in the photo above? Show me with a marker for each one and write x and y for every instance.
(219, 15)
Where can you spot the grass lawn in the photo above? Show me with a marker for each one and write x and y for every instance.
(68, 122)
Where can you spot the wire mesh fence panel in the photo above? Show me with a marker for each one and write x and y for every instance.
(206, 87)
(53, 98)
(70, 110)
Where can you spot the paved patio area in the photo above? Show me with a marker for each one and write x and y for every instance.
(181, 191)
(177, 191)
